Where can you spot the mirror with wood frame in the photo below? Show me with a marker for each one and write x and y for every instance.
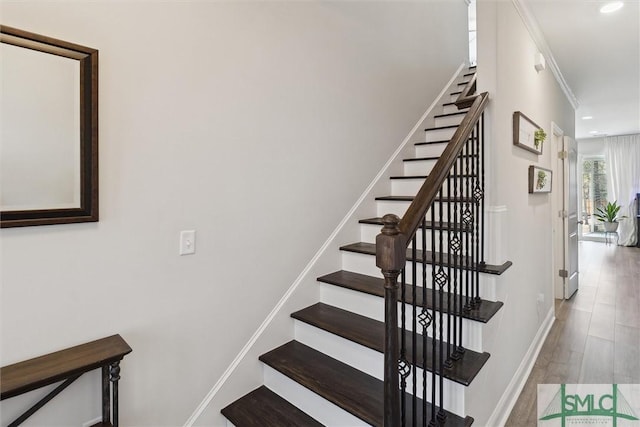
(49, 130)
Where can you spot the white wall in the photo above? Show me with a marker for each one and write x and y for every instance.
(506, 69)
(257, 124)
(591, 147)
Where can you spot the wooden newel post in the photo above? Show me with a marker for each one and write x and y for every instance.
(391, 252)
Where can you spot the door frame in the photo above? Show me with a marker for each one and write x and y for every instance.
(558, 200)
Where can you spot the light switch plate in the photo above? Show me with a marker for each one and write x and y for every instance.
(187, 242)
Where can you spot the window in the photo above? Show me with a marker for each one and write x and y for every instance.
(594, 192)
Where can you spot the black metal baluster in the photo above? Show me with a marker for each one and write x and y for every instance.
(434, 334)
(442, 279)
(467, 221)
(448, 364)
(425, 321)
(414, 335)
(474, 237)
(477, 197)
(463, 284)
(403, 366)
(456, 244)
(482, 218)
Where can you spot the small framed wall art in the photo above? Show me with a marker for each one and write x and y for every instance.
(540, 179)
(527, 134)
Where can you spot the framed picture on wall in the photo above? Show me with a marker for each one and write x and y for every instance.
(540, 179)
(527, 134)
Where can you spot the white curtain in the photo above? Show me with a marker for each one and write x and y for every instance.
(622, 156)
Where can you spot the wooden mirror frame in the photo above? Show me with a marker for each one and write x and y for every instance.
(88, 62)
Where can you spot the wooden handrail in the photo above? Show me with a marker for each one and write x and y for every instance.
(418, 209)
(467, 96)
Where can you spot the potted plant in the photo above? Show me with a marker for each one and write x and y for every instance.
(609, 216)
(538, 138)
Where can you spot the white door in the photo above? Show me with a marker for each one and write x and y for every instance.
(571, 217)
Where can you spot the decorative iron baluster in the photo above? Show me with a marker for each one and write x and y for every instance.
(481, 262)
(477, 196)
(425, 321)
(414, 342)
(441, 280)
(448, 362)
(472, 201)
(467, 219)
(403, 366)
(456, 244)
(432, 421)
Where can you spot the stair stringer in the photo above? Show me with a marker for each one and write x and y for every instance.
(245, 371)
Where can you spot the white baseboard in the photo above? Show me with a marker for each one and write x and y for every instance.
(510, 396)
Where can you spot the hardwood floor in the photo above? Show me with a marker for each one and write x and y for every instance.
(596, 335)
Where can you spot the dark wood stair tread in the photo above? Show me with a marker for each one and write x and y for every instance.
(51, 368)
(429, 225)
(443, 141)
(354, 391)
(458, 113)
(419, 159)
(447, 104)
(370, 333)
(422, 159)
(442, 127)
(425, 176)
(264, 408)
(437, 199)
(482, 312)
(370, 249)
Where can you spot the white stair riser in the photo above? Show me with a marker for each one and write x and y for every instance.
(406, 187)
(372, 362)
(373, 307)
(424, 167)
(444, 134)
(368, 233)
(454, 98)
(452, 108)
(411, 186)
(384, 207)
(365, 264)
(306, 400)
(430, 150)
(419, 167)
(449, 120)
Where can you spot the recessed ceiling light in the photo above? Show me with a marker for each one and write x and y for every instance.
(611, 7)
(587, 117)
(594, 132)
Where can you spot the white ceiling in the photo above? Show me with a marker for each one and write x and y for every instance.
(599, 57)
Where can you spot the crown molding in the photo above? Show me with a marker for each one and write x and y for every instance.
(538, 38)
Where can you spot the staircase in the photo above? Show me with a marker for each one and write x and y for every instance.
(334, 372)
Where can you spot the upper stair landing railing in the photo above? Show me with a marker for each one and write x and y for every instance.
(449, 269)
